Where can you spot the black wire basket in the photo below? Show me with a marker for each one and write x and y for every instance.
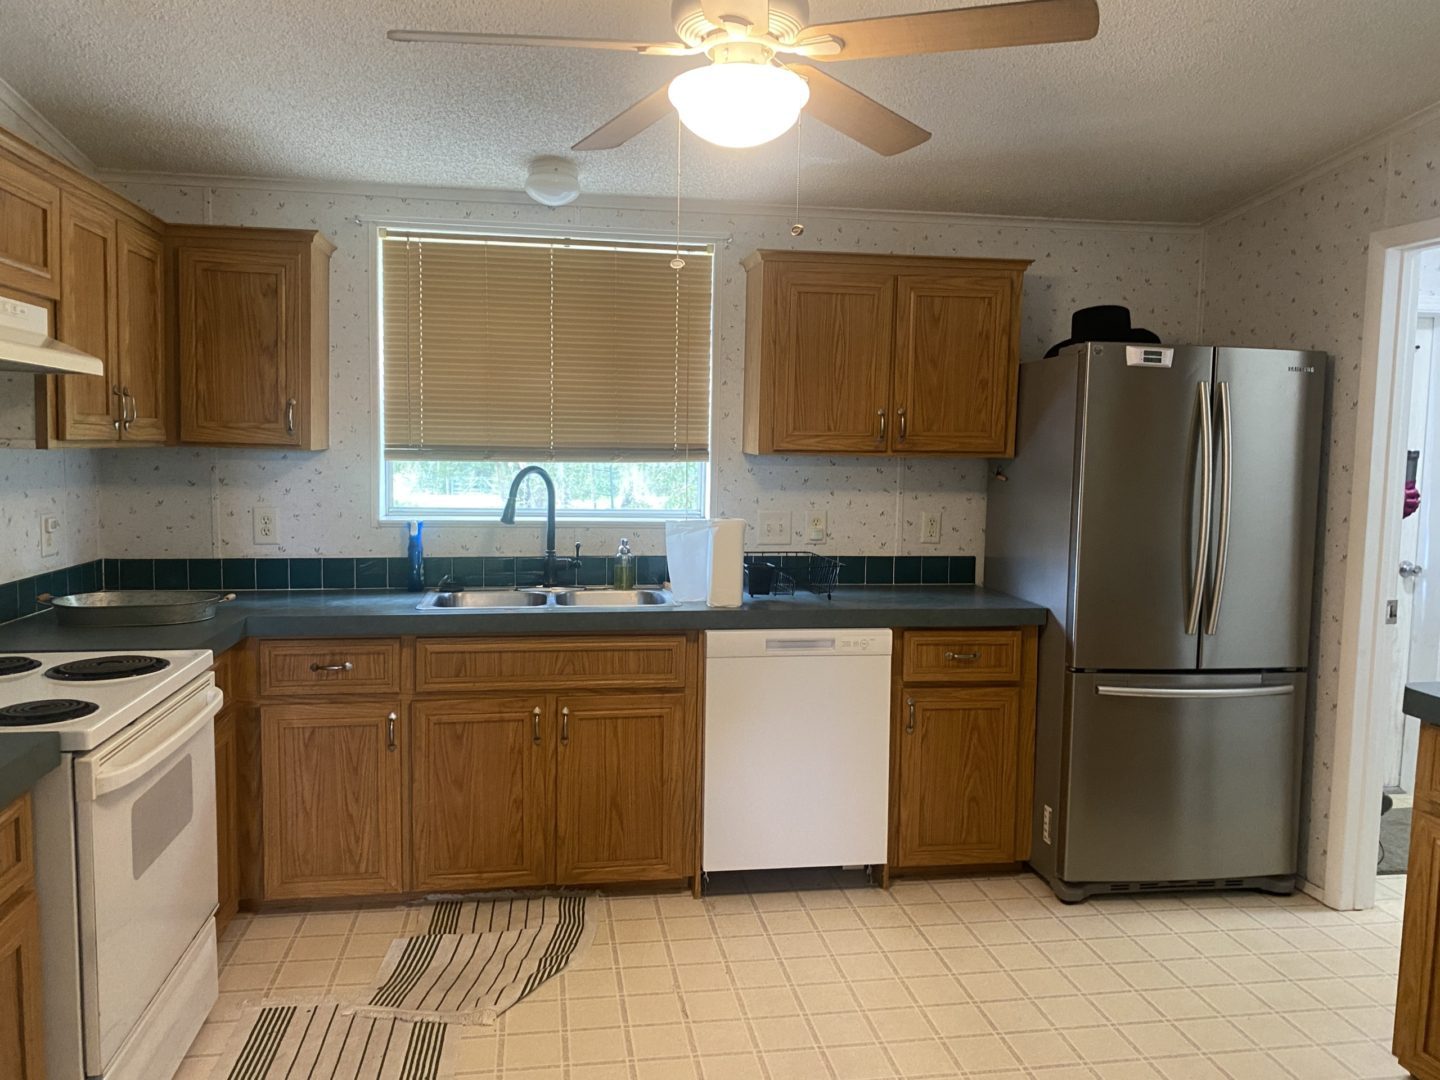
(781, 573)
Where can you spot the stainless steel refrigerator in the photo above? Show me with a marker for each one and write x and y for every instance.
(1162, 505)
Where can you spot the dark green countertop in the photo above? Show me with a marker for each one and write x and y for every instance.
(1422, 701)
(24, 758)
(389, 614)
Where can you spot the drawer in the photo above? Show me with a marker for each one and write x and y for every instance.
(547, 663)
(329, 667)
(962, 656)
(17, 850)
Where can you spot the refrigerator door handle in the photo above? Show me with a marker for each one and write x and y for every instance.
(1207, 487)
(1183, 692)
(1223, 546)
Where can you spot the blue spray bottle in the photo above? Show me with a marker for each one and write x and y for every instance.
(415, 581)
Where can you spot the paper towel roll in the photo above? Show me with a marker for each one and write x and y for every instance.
(727, 560)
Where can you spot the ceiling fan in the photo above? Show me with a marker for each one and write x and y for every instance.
(744, 96)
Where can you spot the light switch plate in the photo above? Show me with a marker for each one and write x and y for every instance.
(267, 529)
(775, 528)
(49, 536)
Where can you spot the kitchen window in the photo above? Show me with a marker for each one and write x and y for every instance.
(589, 356)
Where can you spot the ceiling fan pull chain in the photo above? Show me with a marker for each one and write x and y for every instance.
(798, 229)
(677, 263)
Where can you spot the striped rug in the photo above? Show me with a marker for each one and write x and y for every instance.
(329, 1042)
(473, 959)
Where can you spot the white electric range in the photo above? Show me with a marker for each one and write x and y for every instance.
(125, 854)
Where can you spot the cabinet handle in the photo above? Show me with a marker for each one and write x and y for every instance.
(115, 390)
(290, 416)
(127, 406)
(390, 732)
(881, 413)
(346, 666)
(535, 725)
(910, 720)
(565, 725)
(952, 656)
(900, 415)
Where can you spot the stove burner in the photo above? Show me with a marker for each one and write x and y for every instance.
(17, 665)
(99, 668)
(53, 711)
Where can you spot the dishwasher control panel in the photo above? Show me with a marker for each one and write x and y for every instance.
(862, 643)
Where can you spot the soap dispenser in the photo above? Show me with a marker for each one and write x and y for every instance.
(624, 573)
(415, 556)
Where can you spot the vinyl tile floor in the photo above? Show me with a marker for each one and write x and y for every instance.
(807, 977)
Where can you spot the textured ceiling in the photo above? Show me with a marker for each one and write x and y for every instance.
(1178, 110)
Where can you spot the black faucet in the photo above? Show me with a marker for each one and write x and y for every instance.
(553, 563)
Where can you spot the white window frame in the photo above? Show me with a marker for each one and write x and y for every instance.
(380, 475)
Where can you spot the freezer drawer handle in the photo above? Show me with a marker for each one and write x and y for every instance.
(1207, 487)
(1182, 692)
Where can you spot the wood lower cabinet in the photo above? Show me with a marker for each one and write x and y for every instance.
(1417, 1000)
(482, 788)
(624, 808)
(22, 1053)
(334, 781)
(227, 816)
(962, 748)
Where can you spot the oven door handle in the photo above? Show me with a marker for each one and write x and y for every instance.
(142, 752)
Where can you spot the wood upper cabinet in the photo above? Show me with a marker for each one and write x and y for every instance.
(29, 230)
(88, 407)
(625, 808)
(141, 333)
(334, 778)
(482, 771)
(881, 354)
(253, 314)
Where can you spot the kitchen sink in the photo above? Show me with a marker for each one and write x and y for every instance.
(481, 598)
(612, 598)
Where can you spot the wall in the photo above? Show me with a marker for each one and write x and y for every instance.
(176, 502)
(34, 483)
(1290, 270)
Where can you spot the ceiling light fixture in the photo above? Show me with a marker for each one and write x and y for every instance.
(553, 181)
(740, 100)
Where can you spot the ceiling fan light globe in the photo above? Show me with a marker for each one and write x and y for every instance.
(739, 105)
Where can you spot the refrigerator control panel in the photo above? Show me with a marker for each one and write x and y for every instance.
(1148, 356)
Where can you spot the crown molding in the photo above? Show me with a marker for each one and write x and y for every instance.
(41, 131)
(1379, 142)
(636, 203)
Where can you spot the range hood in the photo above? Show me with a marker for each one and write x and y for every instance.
(26, 345)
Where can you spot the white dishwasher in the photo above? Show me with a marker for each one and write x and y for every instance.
(797, 748)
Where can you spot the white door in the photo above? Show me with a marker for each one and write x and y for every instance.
(146, 863)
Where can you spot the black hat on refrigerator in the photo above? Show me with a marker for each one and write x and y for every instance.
(1104, 322)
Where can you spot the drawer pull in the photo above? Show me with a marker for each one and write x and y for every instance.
(910, 723)
(953, 656)
(346, 666)
(390, 732)
(535, 725)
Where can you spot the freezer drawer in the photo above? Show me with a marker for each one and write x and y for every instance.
(1181, 777)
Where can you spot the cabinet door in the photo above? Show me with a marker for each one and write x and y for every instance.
(240, 337)
(333, 779)
(227, 818)
(29, 231)
(958, 775)
(1417, 1008)
(956, 364)
(21, 1046)
(140, 304)
(625, 790)
(829, 334)
(482, 812)
(88, 405)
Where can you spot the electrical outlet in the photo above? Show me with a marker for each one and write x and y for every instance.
(930, 527)
(775, 528)
(267, 531)
(817, 527)
(49, 536)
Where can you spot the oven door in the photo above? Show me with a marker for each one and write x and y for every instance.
(145, 854)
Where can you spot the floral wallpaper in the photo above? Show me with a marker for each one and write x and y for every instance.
(187, 502)
(1291, 272)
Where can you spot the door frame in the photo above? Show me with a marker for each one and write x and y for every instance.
(1367, 653)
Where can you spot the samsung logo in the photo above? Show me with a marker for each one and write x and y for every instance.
(1302, 370)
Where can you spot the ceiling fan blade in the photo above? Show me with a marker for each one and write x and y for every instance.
(460, 37)
(851, 113)
(629, 123)
(1029, 22)
(754, 12)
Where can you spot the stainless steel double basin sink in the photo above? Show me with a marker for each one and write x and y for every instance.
(519, 599)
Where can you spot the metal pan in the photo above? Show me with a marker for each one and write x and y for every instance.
(134, 607)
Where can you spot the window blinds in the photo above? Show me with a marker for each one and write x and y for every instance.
(516, 348)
